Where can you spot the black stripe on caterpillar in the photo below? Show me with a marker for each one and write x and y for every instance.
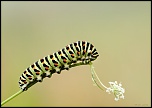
(80, 51)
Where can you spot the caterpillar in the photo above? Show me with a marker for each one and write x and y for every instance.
(81, 51)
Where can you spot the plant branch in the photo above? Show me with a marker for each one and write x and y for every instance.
(10, 98)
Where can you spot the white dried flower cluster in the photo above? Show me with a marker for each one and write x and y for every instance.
(116, 89)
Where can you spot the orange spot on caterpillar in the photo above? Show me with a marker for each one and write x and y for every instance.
(46, 68)
(30, 78)
(64, 60)
(78, 53)
(25, 82)
(55, 64)
(37, 73)
(72, 54)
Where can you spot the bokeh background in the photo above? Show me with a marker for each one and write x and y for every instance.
(119, 30)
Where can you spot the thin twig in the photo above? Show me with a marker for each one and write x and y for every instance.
(10, 98)
(94, 73)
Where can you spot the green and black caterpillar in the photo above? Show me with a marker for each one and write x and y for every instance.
(82, 51)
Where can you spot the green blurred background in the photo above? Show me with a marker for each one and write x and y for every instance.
(119, 30)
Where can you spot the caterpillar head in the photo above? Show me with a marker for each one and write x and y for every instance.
(94, 54)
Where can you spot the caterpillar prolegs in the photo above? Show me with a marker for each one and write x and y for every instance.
(80, 51)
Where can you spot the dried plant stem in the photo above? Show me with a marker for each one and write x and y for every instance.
(94, 73)
(35, 81)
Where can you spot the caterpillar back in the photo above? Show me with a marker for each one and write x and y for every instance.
(80, 51)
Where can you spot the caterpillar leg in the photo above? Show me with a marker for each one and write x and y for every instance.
(57, 70)
(85, 60)
(66, 66)
(48, 74)
(39, 78)
(25, 89)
